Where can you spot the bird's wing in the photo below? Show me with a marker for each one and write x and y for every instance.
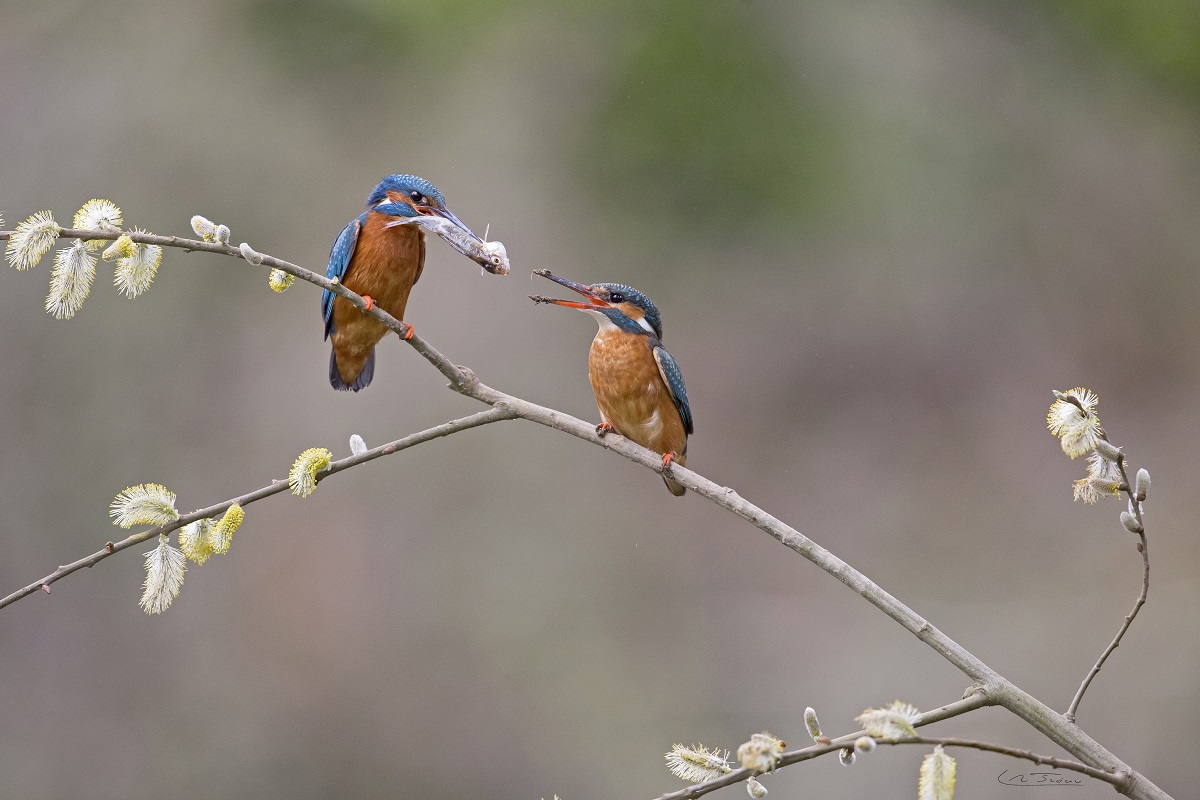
(674, 380)
(339, 262)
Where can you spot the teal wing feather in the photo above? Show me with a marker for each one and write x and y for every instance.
(674, 380)
(339, 262)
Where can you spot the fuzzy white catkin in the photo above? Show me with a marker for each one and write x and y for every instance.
(250, 254)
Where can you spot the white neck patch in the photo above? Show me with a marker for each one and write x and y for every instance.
(606, 324)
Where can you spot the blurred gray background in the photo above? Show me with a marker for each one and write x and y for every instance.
(879, 233)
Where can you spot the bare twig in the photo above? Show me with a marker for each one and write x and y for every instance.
(1144, 549)
(1005, 693)
(1117, 779)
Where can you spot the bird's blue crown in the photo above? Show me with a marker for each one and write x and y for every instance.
(406, 184)
(628, 294)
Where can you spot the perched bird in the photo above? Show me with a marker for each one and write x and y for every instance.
(379, 258)
(638, 386)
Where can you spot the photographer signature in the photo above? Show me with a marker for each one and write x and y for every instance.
(1037, 779)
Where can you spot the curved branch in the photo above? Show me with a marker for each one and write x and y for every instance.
(975, 699)
(495, 414)
(1019, 702)
(1117, 779)
(972, 702)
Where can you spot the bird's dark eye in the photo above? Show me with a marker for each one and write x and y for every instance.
(616, 297)
(415, 195)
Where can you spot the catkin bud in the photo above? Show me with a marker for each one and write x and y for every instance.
(761, 753)
(222, 234)
(1130, 522)
(864, 744)
(1108, 450)
(250, 254)
(1142, 484)
(811, 722)
(280, 281)
(755, 789)
(206, 229)
(122, 247)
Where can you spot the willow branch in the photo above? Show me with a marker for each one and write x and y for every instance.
(495, 414)
(972, 702)
(977, 698)
(1144, 549)
(1040, 716)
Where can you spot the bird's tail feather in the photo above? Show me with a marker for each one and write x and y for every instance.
(677, 489)
(361, 382)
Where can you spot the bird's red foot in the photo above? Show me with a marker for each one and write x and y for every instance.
(603, 428)
(668, 460)
(369, 302)
(408, 331)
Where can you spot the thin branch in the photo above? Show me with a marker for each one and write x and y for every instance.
(275, 487)
(1144, 549)
(1019, 702)
(196, 245)
(1120, 780)
(976, 698)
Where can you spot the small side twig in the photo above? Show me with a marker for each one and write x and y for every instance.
(976, 699)
(1117, 779)
(1144, 549)
(1120, 780)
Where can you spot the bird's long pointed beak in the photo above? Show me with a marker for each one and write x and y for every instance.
(448, 214)
(596, 301)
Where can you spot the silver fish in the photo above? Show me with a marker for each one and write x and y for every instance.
(489, 255)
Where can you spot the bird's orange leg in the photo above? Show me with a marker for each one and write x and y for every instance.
(369, 303)
(668, 460)
(603, 428)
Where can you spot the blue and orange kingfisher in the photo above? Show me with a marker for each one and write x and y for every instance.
(638, 386)
(381, 262)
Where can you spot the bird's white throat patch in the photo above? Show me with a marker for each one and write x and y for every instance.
(607, 326)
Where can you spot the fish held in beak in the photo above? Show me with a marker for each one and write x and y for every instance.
(490, 255)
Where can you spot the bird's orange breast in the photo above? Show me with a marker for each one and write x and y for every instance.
(385, 265)
(631, 394)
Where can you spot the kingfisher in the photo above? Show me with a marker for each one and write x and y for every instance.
(379, 257)
(638, 386)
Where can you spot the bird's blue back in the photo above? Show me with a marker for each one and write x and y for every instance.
(339, 262)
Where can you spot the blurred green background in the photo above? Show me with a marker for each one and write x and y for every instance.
(879, 233)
